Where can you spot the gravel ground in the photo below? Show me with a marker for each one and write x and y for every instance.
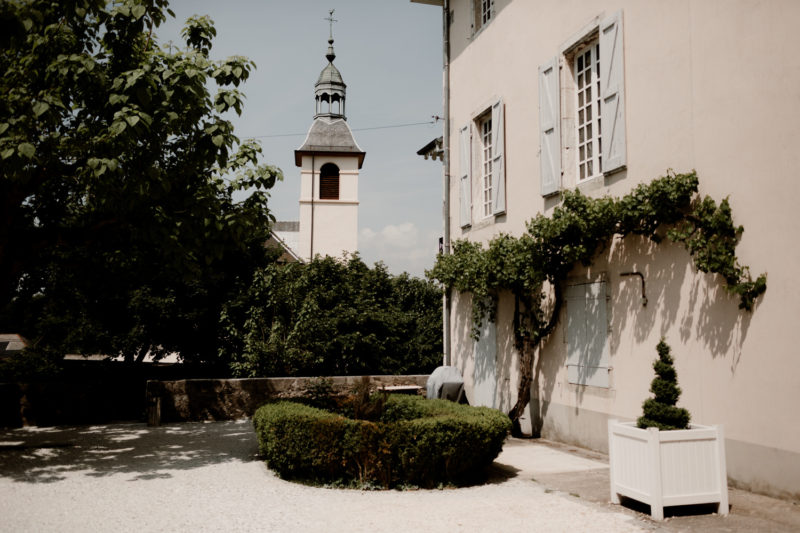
(206, 477)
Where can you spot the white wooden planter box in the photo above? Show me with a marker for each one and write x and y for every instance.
(664, 468)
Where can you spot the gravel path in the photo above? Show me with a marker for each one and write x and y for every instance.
(206, 477)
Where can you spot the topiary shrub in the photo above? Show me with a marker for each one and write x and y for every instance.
(660, 411)
(415, 442)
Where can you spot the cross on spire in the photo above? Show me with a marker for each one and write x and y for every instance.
(331, 20)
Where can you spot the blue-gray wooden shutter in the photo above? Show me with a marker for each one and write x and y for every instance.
(587, 328)
(612, 93)
(484, 388)
(465, 188)
(549, 131)
(498, 159)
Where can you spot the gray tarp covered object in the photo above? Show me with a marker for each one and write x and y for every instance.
(445, 382)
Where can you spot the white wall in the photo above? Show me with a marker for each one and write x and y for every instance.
(334, 222)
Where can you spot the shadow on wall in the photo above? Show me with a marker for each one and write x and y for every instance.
(485, 373)
(710, 316)
(466, 26)
(462, 342)
(211, 399)
(507, 357)
(49, 455)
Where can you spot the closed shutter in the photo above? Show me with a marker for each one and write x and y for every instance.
(465, 189)
(612, 92)
(329, 182)
(549, 131)
(498, 159)
(328, 187)
(587, 328)
(484, 385)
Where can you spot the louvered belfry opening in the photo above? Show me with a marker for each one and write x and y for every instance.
(329, 182)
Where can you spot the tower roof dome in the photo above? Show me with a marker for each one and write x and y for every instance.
(330, 90)
(331, 75)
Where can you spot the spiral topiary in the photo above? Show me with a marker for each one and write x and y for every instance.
(660, 412)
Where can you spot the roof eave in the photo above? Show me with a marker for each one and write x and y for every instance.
(298, 155)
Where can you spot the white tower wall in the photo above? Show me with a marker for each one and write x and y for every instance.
(333, 223)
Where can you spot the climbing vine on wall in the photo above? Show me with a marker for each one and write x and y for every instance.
(533, 266)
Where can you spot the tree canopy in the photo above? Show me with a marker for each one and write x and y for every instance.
(119, 229)
(333, 317)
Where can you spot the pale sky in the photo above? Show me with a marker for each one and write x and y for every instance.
(389, 53)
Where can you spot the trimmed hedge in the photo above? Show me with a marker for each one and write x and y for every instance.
(416, 442)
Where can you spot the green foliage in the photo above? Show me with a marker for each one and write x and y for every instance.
(119, 232)
(319, 392)
(660, 411)
(364, 405)
(533, 266)
(710, 236)
(333, 317)
(417, 442)
(28, 367)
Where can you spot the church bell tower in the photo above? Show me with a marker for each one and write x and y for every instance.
(329, 161)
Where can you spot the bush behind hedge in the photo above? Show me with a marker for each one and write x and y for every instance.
(416, 442)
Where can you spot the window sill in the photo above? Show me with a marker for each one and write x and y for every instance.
(477, 32)
(591, 184)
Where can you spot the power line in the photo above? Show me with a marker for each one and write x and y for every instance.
(436, 119)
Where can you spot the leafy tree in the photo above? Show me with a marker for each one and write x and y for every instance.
(333, 317)
(119, 231)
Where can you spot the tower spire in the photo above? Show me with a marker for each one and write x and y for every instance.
(329, 91)
(331, 55)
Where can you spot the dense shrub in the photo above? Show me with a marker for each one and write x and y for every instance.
(333, 317)
(415, 442)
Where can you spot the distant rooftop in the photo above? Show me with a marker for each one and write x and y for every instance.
(285, 235)
(286, 225)
(11, 343)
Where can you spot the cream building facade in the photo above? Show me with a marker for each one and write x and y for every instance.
(601, 96)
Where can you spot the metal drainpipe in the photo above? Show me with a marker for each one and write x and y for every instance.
(311, 251)
(446, 161)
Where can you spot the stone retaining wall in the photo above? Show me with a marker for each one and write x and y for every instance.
(230, 399)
